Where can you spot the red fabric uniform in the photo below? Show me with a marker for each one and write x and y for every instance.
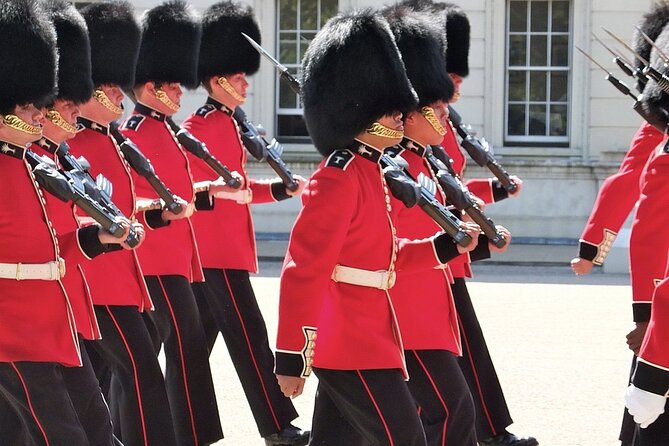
(172, 250)
(617, 197)
(213, 125)
(65, 223)
(115, 278)
(344, 222)
(423, 299)
(36, 321)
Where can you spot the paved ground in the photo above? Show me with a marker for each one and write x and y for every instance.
(558, 343)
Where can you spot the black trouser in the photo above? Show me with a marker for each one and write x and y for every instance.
(440, 390)
(492, 413)
(190, 389)
(227, 304)
(657, 434)
(37, 395)
(628, 426)
(137, 395)
(364, 407)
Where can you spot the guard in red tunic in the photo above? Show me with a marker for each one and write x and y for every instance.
(341, 289)
(141, 409)
(226, 300)
(169, 257)
(38, 334)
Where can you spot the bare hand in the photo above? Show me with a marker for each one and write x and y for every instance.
(107, 238)
(473, 230)
(507, 236)
(186, 211)
(139, 232)
(635, 337)
(301, 183)
(519, 186)
(580, 266)
(220, 185)
(291, 386)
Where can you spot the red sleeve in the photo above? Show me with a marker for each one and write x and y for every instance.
(263, 190)
(482, 188)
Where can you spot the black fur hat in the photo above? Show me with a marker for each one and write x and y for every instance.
(74, 51)
(352, 75)
(655, 100)
(422, 46)
(28, 54)
(115, 35)
(652, 24)
(170, 45)
(224, 50)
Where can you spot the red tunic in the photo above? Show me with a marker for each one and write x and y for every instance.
(114, 278)
(171, 250)
(214, 125)
(36, 320)
(344, 221)
(423, 299)
(617, 197)
(65, 223)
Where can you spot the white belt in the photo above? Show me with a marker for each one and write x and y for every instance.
(53, 270)
(243, 196)
(383, 280)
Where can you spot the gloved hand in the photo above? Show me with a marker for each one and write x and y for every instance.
(644, 406)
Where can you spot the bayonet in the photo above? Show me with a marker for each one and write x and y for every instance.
(620, 41)
(652, 43)
(627, 69)
(621, 86)
(283, 71)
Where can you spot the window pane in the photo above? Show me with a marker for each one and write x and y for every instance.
(559, 81)
(516, 119)
(308, 14)
(328, 9)
(560, 16)
(538, 51)
(537, 120)
(288, 14)
(517, 85)
(539, 16)
(517, 50)
(558, 120)
(288, 51)
(538, 86)
(292, 125)
(560, 51)
(518, 19)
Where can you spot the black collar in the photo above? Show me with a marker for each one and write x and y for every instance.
(9, 149)
(366, 151)
(413, 146)
(151, 113)
(47, 144)
(224, 108)
(87, 123)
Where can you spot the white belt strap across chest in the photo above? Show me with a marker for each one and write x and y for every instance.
(53, 270)
(383, 280)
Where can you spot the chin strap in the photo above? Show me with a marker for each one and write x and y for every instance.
(19, 124)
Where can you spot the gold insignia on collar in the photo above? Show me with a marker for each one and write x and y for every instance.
(6, 149)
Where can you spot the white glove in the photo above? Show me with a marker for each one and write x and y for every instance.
(644, 406)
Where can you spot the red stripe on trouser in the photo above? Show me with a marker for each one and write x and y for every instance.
(30, 404)
(253, 358)
(378, 410)
(436, 390)
(470, 358)
(134, 372)
(181, 355)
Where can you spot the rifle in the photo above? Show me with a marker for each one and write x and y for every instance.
(479, 151)
(140, 164)
(258, 146)
(68, 187)
(200, 150)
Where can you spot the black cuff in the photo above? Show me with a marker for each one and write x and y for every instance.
(651, 379)
(154, 219)
(90, 242)
(279, 191)
(641, 311)
(111, 247)
(587, 250)
(498, 191)
(203, 202)
(482, 250)
(289, 364)
(446, 248)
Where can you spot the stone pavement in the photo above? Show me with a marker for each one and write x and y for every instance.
(558, 343)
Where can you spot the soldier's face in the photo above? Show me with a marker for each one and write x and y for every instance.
(420, 129)
(457, 80)
(392, 122)
(30, 115)
(174, 92)
(68, 112)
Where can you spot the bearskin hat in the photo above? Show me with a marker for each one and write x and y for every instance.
(421, 44)
(224, 50)
(352, 75)
(651, 24)
(170, 45)
(74, 51)
(655, 100)
(28, 54)
(115, 35)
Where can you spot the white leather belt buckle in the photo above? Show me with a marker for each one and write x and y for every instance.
(53, 270)
(243, 196)
(383, 280)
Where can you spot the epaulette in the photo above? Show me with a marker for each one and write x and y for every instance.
(134, 122)
(339, 159)
(205, 110)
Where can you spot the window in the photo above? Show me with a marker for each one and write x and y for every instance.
(298, 21)
(538, 72)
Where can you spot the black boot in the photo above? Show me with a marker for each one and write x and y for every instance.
(508, 439)
(288, 436)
